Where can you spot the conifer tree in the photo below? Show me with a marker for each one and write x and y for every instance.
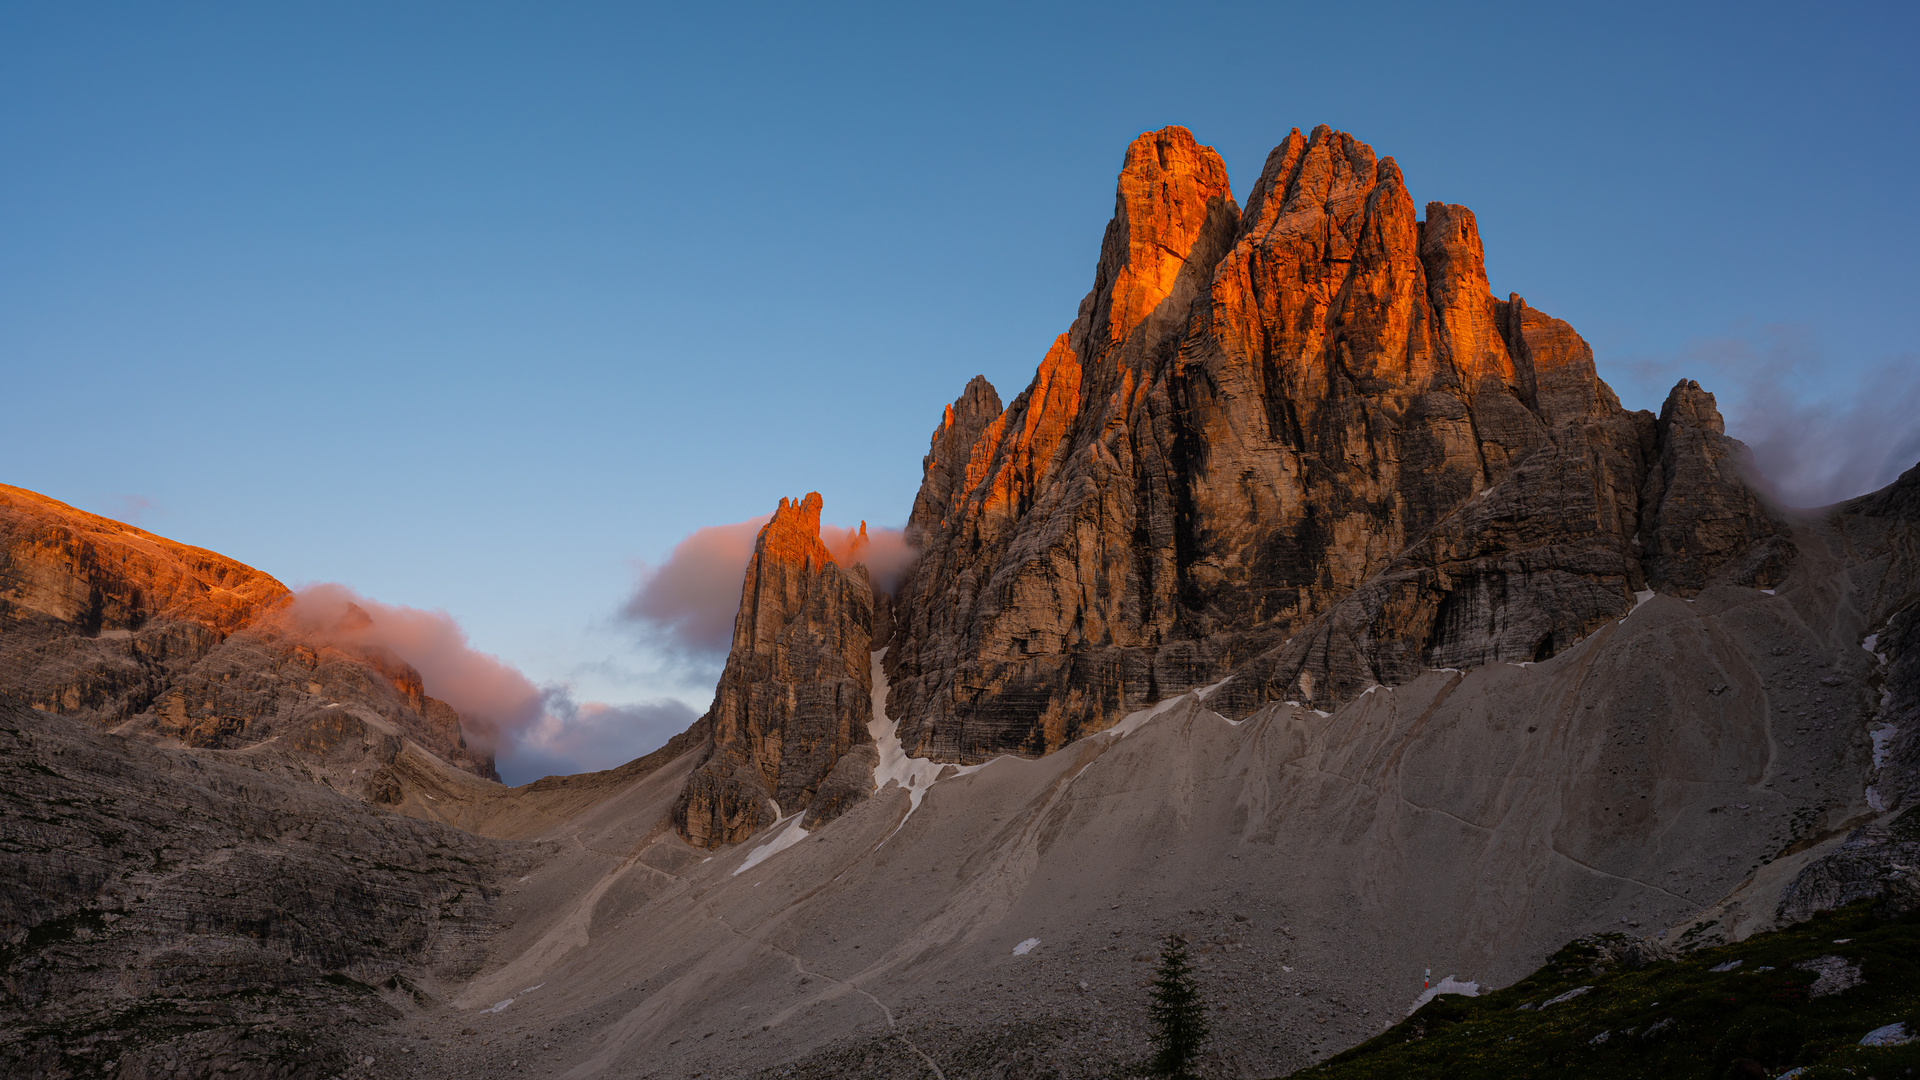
(1179, 1016)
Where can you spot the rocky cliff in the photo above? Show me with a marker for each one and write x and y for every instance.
(788, 726)
(1301, 442)
(124, 630)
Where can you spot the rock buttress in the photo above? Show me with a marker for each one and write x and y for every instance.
(789, 718)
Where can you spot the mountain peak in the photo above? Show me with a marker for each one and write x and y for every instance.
(1172, 198)
(792, 535)
(788, 725)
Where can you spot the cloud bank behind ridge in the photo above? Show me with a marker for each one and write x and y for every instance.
(533, 731)
(1814, 443)
(686, 604)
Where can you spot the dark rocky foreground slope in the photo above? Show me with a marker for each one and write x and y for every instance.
(171, 914)
(1835, 997)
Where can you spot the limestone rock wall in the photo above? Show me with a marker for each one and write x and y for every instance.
(789, 718)
(1303, 442)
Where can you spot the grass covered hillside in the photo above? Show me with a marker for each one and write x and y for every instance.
(1796, 999)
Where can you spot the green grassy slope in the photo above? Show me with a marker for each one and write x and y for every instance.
(1676, 1018)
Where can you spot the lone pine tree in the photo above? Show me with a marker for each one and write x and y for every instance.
(1179, 1016)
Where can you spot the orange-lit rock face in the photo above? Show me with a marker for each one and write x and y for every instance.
(1039, 518)
(1352, 383)
(789, 718)
(118, 627)
(1254, 417)
(1173, 196)
(105, 576)
(97, 617)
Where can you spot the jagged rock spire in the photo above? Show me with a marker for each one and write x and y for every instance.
(789, 718)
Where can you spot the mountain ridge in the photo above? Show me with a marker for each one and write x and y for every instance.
(1259, 423)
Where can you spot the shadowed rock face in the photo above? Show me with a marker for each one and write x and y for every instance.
(121, 629)
(168, 913)
(789, 718)
(1302, 442)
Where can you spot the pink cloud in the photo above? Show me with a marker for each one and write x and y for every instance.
(690, 599)
(575, 737)
(533, 731)
(885, 552)
(495, 701)
(688, 602)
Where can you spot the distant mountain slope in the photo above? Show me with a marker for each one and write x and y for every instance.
(129, 631)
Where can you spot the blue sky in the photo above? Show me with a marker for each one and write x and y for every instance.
(479, 307)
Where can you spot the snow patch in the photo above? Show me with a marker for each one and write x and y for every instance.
(1448, 985)
(1873, 800)
(1871, 643)
(914, 775)
(1137, 719)
(497, 1006)
(1639, 598)
(1026, 946)
(781, 841)
(1206, 692)
(1882, 737)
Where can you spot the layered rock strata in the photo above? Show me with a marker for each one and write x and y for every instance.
(167, 913)
(789, 719)
(1310, 422)
(124, 630)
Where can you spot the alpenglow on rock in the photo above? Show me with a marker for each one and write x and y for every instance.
(789, 719)
(1304, 444)
(127, 631)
